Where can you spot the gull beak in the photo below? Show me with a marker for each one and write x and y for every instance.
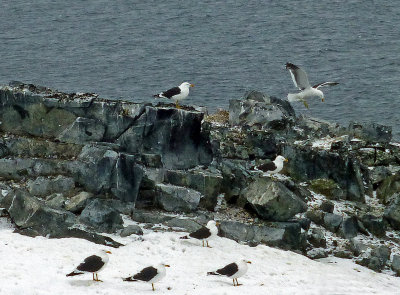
(109, 252)
(167, 265)
(191, 85)
(322, 99)
(249, 262)
(286, 160)
(217, 223)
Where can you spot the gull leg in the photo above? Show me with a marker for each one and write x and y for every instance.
(203, 242)
(237, 283)
(234, 282)
(93, 277)
(305, 104)
(208, 245)
(177, 105)
(152, 286)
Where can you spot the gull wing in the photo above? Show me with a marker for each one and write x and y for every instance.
(325, 84)
(299, 77)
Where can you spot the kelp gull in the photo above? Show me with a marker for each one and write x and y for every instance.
(273, 167)
(233, 270)
(176, 93)
(151, 274)
(204, 233)
(92, 264)
(300, 80)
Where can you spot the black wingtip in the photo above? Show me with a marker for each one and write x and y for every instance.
(211, 273)
(128, 279)
(184, 238)
(73, 274)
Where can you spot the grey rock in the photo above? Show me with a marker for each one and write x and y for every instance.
(375, 225)
(396, 264)
(371, 132)
(332, 221)
(392, 213)
(131, 230)
(101, 217)
(83, 130)
(44, 186)
(327, 187)
(188, 225)
(260, 114)
(176, 198)
(389, 189)
(317, 238)
(317, 253)
(273, 201)
(78, 202)
(357, 247)
(382, 253)
(56, 201)
(316, 216)
(349, 227)
(327, 206)
(284, 235)
(175, 135)
(143, 216)
(343, 254)
(379, 173)
(204, 181)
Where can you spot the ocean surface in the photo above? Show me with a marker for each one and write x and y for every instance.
(133, 49)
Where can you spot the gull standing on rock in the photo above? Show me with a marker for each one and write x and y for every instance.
(273, 167)
(177, 93)
(300, 80)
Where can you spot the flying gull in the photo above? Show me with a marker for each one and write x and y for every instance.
(300, 80)
(273, 167)
(92, 264)
(233, 270)
(151, 274)
(177, 93)
(204, 233)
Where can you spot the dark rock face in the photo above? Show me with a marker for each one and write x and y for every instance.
(392, 213)
(396, 264)
(43, 186)
(269, 114)
(332, 221)
(273, 201)
(375, 225)
(173, 134)
(371, 132)
(349, 227)
(175, 198)
(101, 217)
(132, 230)
(327, 206)
(317, 238)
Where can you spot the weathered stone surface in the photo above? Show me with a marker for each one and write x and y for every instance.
(316, 216)
(261, 114)
(176, 198)
(78, 202)
(371, 132)
(306, 164)
(317, 253)
(56, 201)
(143, 216)
(375, 225)
(44, 186)
(83, 130)
(327, 206)
(188, 225)
(101, 217)
(388, 188)
(283, 235)
(131, 230)
(173, 134)
(396, 264)
(379, 173)
(326, 187)
(206, 182)
(375, 259)
(392, 213)
(349, 227)
(273, 201)
(332, 221)
(316, 238)
(357, 247)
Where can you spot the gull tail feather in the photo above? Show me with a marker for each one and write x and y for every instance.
(129, 279)
(212, 273)
(74, 273)
(184, 238)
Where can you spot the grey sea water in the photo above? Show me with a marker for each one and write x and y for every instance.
(133, 49)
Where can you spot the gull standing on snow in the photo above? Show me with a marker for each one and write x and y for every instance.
(151, 274)
(204, 233)
(92, 264)
(233, 270)
(300, 80)
(177, 93)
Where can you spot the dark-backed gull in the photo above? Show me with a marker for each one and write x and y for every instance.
(233, 270)
(92, 264)
(273, 167)
(300, 80)
(204, 233)
(177, 93)
(151, 274)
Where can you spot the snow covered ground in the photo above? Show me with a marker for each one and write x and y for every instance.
(39, 265)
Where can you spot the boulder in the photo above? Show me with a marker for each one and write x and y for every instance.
(83, 130)
(328, 188)
(371, 132)
(332, 221)
(177, 198)
(327, 206)
(392, 213)
(101, 217)
(273, 201)
(396, 264)
(375, 225)
(316, 238)
(78, 202)
(131, 230)
(44, 186)
(389, 188)
(349, 227)
(264, 115)
(317, 253)
(316, 216)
